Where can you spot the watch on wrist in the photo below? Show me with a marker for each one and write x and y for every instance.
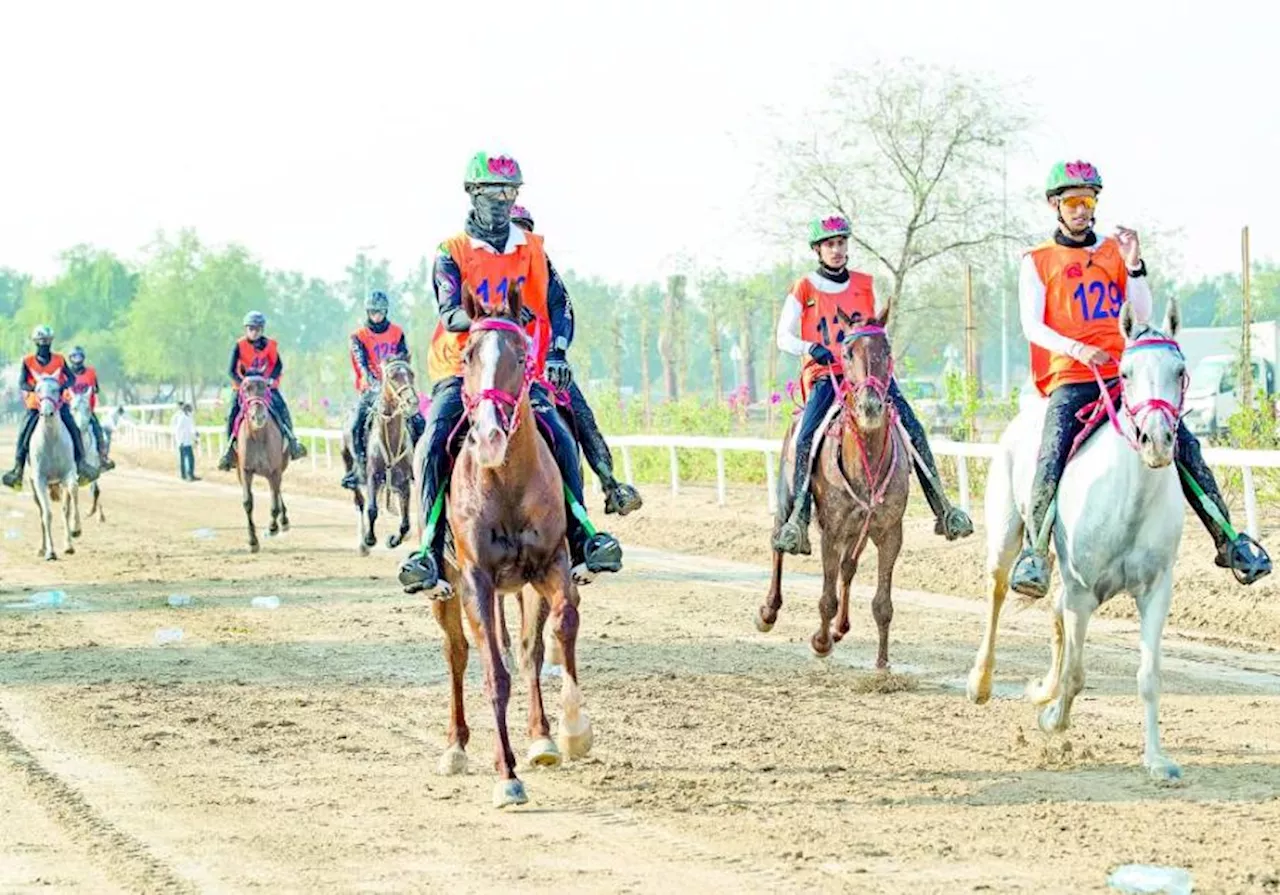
(1140, 270)
(561, 343)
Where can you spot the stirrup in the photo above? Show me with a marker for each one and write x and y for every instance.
(600, 553)
(1031, 575)
(1245, 557)
(13, 479)
(953, 523)
(622, 499)
(793, 537)
(227, 461)
(297, 450)
(419, 573)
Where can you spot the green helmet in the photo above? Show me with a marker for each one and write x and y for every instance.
(825, 228)
(1066, 175)
(485, 168)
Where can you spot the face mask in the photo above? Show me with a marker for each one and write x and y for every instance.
(493, 213)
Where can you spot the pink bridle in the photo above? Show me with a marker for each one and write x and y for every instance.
(506, 404)
(1136, 413)
(877, 385)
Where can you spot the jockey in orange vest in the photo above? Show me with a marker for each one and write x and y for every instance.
(1070, 291)
(86, 380)
(821, 307)
(372, 344)
(41, 364)
(489, 257)
(256, 355)
(619, 497)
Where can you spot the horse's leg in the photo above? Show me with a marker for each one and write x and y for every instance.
(95, 509)
(1046, 690)
(1153, 608)
(1077, 607)
(70, 509)
(372, 484)
(284, 508)
(768, 612)
(246, 478)
(533, 616)
(448, 615)
(848, 568)
(508, 790)
(396, 540)
(500, 616)
(821, 641)
(1004, 538)
(887, 550)
(357, 497)
(276, 504)
(41, 490)
(560, 593)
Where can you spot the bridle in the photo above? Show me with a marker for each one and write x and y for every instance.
(404, 399)
(505, 404)
(249, 402)
(1136, 414)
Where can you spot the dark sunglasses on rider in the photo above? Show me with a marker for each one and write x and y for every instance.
(499, 191)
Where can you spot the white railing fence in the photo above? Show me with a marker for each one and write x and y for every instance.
(321, 442)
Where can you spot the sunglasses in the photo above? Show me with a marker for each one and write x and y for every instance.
(498, 191)
(1076, 202)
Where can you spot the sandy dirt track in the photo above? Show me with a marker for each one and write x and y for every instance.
(295, 749)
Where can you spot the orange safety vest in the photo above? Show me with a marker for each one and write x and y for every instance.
(87, 381)
(252, 362)
(377, 348)
(490, 277)
(1084, 292)
(825, 317)
(55, 367)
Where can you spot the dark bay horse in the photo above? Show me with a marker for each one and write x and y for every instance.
(507, 517)
(260, 450)
(860, 486)
(388, 452)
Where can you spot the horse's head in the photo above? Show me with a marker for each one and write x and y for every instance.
(868, 370)
(398, 388)
(49, 393)
(1153, 378)
(81, 408)
(495, 374)
(255, 396)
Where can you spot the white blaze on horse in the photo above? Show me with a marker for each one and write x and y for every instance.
(1116, 527)
(82, 413)
(51, 467)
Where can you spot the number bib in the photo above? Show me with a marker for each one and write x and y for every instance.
(826, 317)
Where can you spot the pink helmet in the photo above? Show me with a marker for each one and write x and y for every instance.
(520, 215)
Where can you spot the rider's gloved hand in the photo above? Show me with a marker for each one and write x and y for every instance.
(821, 354)
(456, 320)
(559, 373)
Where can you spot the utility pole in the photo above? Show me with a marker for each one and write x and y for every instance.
(1004, 278)
(1246, 326)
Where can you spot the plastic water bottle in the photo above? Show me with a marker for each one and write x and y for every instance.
(48, 598)
(168, 635)
(176, 600)
(204, 534)
(265, 602)
(1150, 879)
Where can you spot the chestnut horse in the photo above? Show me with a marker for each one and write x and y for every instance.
(506, 515)
(260, 450)
(860, 486)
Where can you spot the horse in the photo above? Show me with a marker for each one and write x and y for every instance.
(860, 484)
(1117, 525)
(260, 450)
(389, 461)
(82, 412)
(52, 467)
(506, 517)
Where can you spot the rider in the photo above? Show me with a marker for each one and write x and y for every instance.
(256, 355)
(619, 497)
(45, 363)
(489, 256)
(86, 380)
(372, 344)
(812, 324)
(1069, 333)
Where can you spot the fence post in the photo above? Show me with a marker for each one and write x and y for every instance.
(720, 483)
(312, 452)
(328, 452)
(1250, 502)
(675, 472)
(962, 470)
(628, 473)
(771, 481)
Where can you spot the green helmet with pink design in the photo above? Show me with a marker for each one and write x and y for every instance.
(825, 228)
(1068, 175)
(501, 169)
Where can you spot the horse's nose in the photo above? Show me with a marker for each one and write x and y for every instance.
(493, 437)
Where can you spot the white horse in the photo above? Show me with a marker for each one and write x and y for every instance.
(52, 466)
(82, 412)
(1117, 526)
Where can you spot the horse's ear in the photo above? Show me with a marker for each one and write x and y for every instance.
(1172, 318)
(469, 301)
(1128, 321)
(515, 302)
(883, 320)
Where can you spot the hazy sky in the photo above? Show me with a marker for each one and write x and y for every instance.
(307, 130)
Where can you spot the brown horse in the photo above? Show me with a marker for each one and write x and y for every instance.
(260, 450)
(860, 482)
(507, 518)
(388, 452)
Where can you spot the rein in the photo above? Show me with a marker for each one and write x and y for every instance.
(402, 398)
(505, 404)
(1136, 414)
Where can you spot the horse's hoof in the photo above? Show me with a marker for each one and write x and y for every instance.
(1052, 719)
(76, 533)
(978, 687)
(544, 754)
(393, 541)
(51, 557)
(272, 532)
(1163, 771)
(254, 547)
(70, 550)
(840, 631)
(575, 739)
(370, 541)
(284, 525)
(819, 649)
(507, 793)
(764, 624)
(453, 761)
(364, 551)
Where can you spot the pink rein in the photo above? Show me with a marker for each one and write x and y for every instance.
(1137, 413)
(506, 404)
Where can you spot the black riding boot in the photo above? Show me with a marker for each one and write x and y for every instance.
(619, 497)
(104, 462)
(296, 450)
(228, 459)
(950, 521)
(1244, 556)
(359, 442)
(422, 569)
(13, 478)
(590, 551)
(85, 472)
(417, 425)
(792, 535)
(1030, 575)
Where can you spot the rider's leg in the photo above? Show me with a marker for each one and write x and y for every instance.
(597, 551)
(359, 440)
(87, 474)
(281, 412)
(952, 522)
(103, 460)
(620, 497)
(1031, 572)
(793, 528)
(228, 458)
(1235, 550)
(422, 569)
(13, 478)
